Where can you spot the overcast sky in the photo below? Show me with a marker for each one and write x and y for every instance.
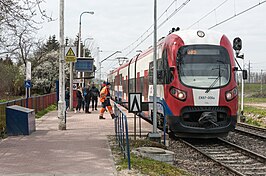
(118, 23)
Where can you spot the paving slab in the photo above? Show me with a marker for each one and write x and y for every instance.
(82, 149)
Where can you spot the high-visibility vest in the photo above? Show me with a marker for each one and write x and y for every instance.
(104, 93)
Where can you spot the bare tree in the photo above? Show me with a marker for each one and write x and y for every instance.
(18, 24)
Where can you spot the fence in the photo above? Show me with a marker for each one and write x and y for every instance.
(38, 103)
(121, 132)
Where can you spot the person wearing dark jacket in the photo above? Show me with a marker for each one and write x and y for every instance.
(67, 97)
(95, 94)
(88, 99)
(79, 95)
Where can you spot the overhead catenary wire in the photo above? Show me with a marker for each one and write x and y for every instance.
(237, 14)
(204, 16)
(146, 31)
(160, 25)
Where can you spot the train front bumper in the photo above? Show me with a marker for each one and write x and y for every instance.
(183, 128)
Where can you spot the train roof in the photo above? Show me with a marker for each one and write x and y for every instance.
(188, 36)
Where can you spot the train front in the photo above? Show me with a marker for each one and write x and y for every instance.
(202, 91)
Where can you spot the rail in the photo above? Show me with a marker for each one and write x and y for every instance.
(121, 132)
(37, 103)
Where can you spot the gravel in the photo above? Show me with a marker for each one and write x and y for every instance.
(250, 143)
(195, 163)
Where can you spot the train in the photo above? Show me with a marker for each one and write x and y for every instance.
(196, 82)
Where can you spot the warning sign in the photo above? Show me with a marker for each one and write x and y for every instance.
(70, 54)
(135, 102)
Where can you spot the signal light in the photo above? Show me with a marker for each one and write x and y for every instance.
(237, 44)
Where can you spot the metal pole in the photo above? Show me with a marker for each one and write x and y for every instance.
(242, 90)
(100, 72)
(79, 43)
(61, 102)
(155, 70)
(98, 64)
(79, 46)
(71, 87)
(261, 83)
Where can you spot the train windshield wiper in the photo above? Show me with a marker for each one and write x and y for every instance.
(218, 77)
(213, 83)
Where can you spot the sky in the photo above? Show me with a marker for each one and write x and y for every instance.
(116, 24)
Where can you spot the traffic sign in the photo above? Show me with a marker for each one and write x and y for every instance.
(27, 84)
(135, 101)
(74, 86)
(70, 54)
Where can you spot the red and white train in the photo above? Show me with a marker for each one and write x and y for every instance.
(196, 82)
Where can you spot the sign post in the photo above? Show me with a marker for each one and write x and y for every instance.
(27, 83)
(134, 106)
(71, 56)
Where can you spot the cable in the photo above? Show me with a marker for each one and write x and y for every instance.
(208, 14)
(149, 27)
(252, 7)
(160, 25)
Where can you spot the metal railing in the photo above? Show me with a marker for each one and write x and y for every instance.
(146, 107)
(37, 103)
(121, 132)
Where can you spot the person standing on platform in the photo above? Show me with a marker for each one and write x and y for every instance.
(83, 104)
(79, 95)
(88, 99)
(103, 85)
(67, 97)
(95, 94)
(105, 99)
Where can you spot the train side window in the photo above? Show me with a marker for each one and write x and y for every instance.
(160, 71)
(120, 79)
(151, 73)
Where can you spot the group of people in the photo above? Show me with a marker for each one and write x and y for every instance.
(85, 96)
(91, 94)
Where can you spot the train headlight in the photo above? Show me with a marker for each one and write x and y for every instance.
(231, 94)
(179, 94)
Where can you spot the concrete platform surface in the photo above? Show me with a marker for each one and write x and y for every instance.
(80, 150)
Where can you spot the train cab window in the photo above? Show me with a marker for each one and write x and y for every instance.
(203, 66)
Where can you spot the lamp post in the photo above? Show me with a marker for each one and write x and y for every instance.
(89, 38)
(83, 73)
(71, 64)
(105, 60)
(79, 46)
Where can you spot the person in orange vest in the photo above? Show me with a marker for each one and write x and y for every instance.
(105, 99)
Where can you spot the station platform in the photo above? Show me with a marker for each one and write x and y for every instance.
(80, 150)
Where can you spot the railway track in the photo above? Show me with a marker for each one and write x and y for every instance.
(235, 158)
(251, 130)
(249, 137)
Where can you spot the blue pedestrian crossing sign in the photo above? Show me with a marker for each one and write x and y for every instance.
(27, 84)
(134, 102)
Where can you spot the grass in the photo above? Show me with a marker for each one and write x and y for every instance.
(254, 115)
(151, 167)
(45, 111)
(254, 100)
(252, 90)
(9, 98)
(144, 165)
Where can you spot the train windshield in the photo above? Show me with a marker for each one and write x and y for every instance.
(203, 66)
